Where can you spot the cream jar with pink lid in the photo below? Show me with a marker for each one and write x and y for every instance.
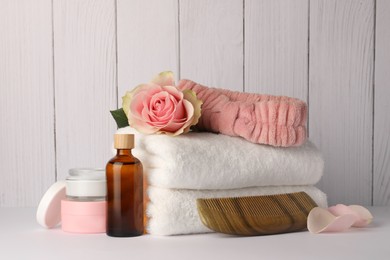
(79, 202)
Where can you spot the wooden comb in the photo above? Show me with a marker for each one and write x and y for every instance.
(256, 215)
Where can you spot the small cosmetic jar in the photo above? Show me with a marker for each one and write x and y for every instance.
(84, 209)
(78, 203)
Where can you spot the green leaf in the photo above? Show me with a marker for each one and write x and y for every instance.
(120, 117)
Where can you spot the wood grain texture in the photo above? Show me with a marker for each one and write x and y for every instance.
(341, 80)
(27, 166)
(276, 47)
(211, 42)
(256, 215)
(382, 105)
(85, 82)
(147, 41)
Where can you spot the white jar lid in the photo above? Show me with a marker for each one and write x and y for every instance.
(49, 208)
(86, 183)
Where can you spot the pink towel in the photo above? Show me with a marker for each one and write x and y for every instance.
(263, 119)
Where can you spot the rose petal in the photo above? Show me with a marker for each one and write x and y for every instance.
(140, 98)
(173, 127)
(178, 120)
(153, 120)
(196, 104)
(170, 106)
(166, 109)
(184, 128)
(157, 102)
(126, 99)
(363, 216)
(139, 94)
(141, 127)
(180, 111)
(147, 93)
(190, 116)
(165, 78)
(174, 92)
(341, 209)
(321, 220)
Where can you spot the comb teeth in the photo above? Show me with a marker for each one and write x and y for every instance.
(256, 215)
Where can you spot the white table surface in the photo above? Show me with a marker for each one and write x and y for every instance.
(22, 238)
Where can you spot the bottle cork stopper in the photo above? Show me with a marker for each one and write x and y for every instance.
(123, 141)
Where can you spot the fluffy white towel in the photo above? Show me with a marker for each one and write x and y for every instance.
(212, 161)
(174, 212)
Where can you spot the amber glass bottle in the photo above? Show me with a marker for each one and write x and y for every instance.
(124, 190)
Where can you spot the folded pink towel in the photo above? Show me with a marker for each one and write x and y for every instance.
(263, 119)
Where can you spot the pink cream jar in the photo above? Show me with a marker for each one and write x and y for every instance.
(84, 209)
(79, 203)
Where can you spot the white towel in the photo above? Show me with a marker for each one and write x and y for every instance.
(211, 161)
(174, 212)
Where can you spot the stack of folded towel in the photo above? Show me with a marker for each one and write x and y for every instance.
(261, 149)
(207, 165)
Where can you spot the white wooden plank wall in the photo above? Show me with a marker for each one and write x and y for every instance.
(211, 42)
(85, 82)
(276, 47)
(27, 164)
(147, 41)
(64, 64)
(341, 87)
(382, 105)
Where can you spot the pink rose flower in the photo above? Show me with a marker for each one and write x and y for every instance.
(160, 107)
